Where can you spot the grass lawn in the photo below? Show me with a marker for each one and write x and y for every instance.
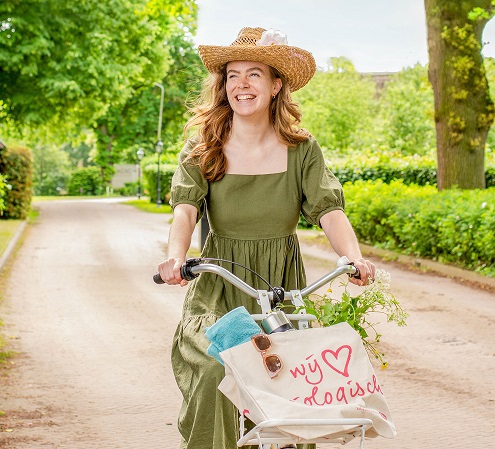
(142, 204)
(37, 199)
(7, 231)
(145, 205)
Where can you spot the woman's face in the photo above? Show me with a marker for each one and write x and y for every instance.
(250, 88)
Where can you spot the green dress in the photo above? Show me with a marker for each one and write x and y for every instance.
(253, 221)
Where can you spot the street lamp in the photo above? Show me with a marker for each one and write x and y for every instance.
(140, 154)
(159, 148)
(159, 143)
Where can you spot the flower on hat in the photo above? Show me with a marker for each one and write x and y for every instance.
(272, 37)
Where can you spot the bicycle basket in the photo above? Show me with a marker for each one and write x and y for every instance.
(326, 374)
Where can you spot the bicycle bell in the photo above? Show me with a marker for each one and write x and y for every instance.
(276, 321)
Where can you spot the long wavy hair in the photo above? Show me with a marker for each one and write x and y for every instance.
(212, 115)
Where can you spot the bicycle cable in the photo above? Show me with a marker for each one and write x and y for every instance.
(246, 268)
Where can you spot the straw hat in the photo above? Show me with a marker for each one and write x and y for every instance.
(267, 46)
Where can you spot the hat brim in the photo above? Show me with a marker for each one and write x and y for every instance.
(295, 64)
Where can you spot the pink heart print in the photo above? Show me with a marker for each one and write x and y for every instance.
(341, 363)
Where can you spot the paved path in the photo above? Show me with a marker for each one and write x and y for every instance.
(94, 335)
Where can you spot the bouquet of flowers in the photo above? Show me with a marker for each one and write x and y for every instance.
(359, 311)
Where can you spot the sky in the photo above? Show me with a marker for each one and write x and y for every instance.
(376, 35)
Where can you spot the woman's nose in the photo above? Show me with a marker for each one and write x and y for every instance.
(243, 82)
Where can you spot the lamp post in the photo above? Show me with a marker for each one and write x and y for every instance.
(159, 143)
(159, 147)
(140, 154)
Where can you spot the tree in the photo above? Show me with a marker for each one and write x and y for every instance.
(464, 110)
(490, 75)
(65, 63)
(336, 103)
(407, 108)
(133, 124)
(51, 170)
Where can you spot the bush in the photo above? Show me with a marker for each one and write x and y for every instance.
(86, 181)
(490, 177)
(409, 175)
(150, 174)
(3, 186)
(51, 170)
(52, 184)
(454, 226)
(16, 166)
(129, 189)
(411, 170)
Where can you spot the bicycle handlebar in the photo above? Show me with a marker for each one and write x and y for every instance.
(193, 267)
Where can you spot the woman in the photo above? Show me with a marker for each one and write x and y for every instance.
(254, 172)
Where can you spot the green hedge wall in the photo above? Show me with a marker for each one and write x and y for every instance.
(453, 226)
(86, 181)
(16, 166)
(3, 186)
(150, 175)
(419, 175)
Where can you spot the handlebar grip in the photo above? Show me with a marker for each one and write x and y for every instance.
(185, 271)
(157, 279)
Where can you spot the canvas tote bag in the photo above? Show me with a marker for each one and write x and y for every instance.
(326, 374)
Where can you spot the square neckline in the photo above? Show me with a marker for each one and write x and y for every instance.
(267, 174)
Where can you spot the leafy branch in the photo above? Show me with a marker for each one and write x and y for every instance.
(374, 299)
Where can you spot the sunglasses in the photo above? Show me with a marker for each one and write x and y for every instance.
(272, 362)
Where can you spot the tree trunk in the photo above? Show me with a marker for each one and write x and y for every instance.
(104, 156)
(464, 110)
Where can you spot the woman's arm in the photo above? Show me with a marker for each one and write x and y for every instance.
(179, 241)
(341, 236)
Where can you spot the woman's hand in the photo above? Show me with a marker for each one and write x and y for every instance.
(366, 272)
(169, 271)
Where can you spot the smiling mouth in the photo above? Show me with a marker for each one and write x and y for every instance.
(245, 97)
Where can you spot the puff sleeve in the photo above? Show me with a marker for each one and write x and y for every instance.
(322, 192)
(188, 184)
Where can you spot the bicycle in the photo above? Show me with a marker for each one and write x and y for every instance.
(265, 434)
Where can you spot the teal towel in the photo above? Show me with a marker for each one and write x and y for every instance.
(234, 328)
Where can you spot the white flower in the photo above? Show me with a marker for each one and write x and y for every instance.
(272, 37)
(383, 279)
(483, 205)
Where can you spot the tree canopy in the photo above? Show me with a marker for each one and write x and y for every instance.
(66, 63)
(132, 124)
(349, 113)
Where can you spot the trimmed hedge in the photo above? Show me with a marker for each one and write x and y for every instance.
(16, 166)
(420, 175)
(150, 175)
(3, 186)
(453, 226)
(86, 181)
